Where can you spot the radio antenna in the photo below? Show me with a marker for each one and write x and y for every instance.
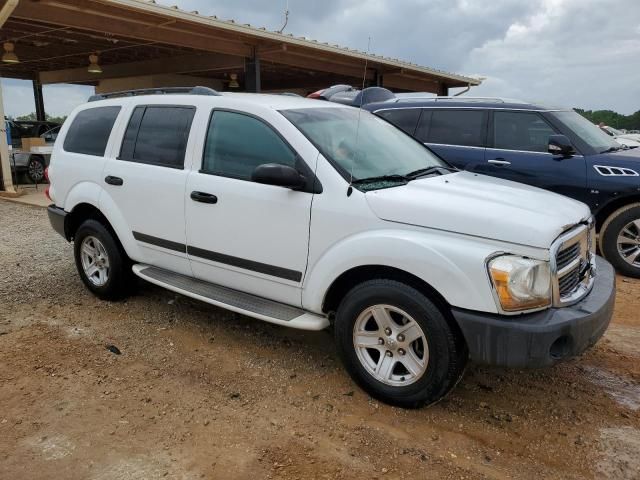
(286, 18)
(364, 80)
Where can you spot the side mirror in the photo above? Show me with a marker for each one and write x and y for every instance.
(279, 175)
(560, 145)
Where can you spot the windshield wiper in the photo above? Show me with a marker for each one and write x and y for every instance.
(612, 149)
(383, 178)
(426, 171)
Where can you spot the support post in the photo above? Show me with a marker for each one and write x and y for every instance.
(5, 162)
(252, 74)
(39, 100)
(443, 91)
(379, 79)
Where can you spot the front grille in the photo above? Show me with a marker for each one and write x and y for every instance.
(573, 269)
(568, 283)
(567, 255)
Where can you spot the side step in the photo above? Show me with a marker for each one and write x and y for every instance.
(234, 300)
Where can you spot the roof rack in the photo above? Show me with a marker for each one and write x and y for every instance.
(157, 91)
(454, 98)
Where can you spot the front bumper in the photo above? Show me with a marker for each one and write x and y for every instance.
(57, 217)
(543, 338)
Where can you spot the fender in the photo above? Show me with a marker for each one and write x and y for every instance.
(92, 194)
(452, 266)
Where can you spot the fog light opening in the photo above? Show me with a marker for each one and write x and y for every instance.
(561, 348)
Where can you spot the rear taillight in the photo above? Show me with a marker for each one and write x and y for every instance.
(46, 174)
(46, 192)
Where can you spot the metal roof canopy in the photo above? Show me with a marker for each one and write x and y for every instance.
(53, 39)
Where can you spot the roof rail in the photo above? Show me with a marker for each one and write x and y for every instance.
(454, 98)
(156, 91)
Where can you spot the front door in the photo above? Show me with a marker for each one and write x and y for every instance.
(245, 235)
(517, 151)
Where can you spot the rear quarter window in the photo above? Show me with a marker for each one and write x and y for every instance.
(89, 132)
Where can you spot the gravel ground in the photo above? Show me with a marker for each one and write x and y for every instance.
(199, 392)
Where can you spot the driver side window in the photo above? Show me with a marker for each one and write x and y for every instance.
(521, 131)
(236, 144)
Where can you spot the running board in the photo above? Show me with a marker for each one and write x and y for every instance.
(234, 300)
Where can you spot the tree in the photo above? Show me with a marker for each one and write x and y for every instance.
(31, 117)
(612, 119)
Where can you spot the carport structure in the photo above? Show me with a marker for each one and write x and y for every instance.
(125, 44)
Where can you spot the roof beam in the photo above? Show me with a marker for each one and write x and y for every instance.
(79, 16)
(6, 10)
(411, 84)
(179, 65)
(302, 61)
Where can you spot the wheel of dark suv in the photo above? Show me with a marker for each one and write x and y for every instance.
(35, 169)
(620, 240)
(101, 262)
(397, 344)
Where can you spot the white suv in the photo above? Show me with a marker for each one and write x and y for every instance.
(308, 214)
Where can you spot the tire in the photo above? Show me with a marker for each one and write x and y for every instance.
(437, 357)
(96, 245)
(35, 169)
(625, 255)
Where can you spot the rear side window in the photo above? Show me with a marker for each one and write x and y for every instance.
(455, 127)
(236, 144)
(521, 131)
(157, 135)
(404, 118)
(89, 132)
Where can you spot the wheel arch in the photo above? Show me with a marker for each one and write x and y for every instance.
(614, 205)
(352, 277)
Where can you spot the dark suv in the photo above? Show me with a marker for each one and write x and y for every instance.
(554, 149)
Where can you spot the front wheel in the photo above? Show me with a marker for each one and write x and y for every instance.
(620, 240)
(397, 344)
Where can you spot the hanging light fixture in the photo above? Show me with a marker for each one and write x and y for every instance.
(233, 82)
(9, 56)
(93, 64)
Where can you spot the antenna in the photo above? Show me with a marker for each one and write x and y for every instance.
(364, 80)
(286, 18)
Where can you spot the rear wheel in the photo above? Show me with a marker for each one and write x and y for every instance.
(397, 344)
(620, 240)
(35, 169)
(101, 261)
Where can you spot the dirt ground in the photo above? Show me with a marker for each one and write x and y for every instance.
(199, 392)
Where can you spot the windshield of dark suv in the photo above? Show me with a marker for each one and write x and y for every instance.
(364, 147)
(587, 131)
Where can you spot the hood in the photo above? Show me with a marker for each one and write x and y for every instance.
(488, 207)
(630, 136)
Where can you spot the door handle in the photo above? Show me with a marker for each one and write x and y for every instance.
(204, 197)
(499, 161)
(117, 181)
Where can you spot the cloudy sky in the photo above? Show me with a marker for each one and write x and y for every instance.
(577, 53)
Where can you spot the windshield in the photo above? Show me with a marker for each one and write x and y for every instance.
(368, 149)
(614, 131)
(587, 131)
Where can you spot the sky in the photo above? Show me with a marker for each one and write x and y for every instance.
(572, 53)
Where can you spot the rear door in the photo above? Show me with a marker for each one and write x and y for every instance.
(145, 179)
(457, 135)
(518, 151)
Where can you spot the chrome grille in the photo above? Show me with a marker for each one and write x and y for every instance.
(567, 255)
(574, 264)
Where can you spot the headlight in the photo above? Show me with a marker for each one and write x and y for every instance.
(521, 283)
